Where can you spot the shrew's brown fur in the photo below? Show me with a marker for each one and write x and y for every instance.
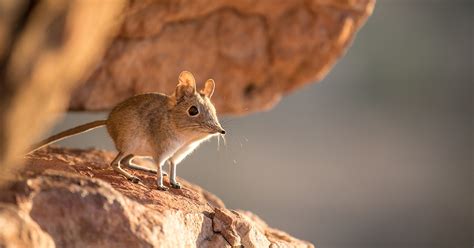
(163, 127)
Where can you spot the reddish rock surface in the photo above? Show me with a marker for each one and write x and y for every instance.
(256, 51)
(72, 198)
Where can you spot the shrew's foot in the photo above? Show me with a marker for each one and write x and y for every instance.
(162, 188)
(175, 185)
(134, 179)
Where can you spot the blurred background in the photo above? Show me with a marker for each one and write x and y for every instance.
(379, 154)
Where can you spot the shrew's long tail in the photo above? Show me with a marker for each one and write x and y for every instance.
(68, 133)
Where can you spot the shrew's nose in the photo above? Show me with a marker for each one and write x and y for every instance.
(222, 131)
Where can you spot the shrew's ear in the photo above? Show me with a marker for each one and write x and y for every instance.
(186, 85)
(208, 89)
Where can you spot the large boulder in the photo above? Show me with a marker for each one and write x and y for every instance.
(73, 198)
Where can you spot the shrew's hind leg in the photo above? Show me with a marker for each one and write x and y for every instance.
(128, 161)
(116, 166)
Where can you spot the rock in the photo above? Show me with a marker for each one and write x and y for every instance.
(74, 199)
(257, 51)
(19, 230)
(45, 48)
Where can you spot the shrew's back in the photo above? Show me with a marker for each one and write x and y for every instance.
(131, 122)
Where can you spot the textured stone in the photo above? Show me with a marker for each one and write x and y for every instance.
(19, 230)
(256, 51)
(74, 199)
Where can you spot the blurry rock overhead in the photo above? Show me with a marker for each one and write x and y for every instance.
(46, 47)
(256, 51)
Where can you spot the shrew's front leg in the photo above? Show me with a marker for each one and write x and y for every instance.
(177, 157)
(159, 177)
(173, 182)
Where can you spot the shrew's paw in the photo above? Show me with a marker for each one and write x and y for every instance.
(175, 185)
(134, 179)
(162, 188)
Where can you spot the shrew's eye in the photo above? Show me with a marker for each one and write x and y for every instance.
(193, 111)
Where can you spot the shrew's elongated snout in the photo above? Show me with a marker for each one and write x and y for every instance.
(217, 130)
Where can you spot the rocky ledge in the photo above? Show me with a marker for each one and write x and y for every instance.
(72, 198)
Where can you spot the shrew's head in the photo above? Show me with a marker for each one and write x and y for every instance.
(193, 111)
